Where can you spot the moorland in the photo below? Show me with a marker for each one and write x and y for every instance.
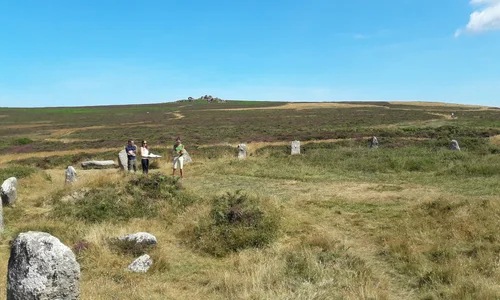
(409, 220)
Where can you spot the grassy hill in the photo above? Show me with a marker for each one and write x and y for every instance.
(410, 220)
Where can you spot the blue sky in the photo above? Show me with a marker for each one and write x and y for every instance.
(69, 53)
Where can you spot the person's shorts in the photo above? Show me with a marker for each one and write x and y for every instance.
(178, 162)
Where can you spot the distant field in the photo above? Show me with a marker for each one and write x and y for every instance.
(233, 122)
(409, 220)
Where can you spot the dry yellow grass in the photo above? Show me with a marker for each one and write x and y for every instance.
(495, 140)
(177, 115)
(319, 216)
(303, 106)
(430, 104)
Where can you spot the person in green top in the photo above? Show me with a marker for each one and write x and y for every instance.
(178, 155)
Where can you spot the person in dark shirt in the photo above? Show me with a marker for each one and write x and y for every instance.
(131, 150)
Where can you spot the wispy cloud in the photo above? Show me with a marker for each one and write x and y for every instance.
(486, 17)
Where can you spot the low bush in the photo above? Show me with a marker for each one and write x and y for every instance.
(235, 222)
(142, 197)
(23, 141)
(16, 171)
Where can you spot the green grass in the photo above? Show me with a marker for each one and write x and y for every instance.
(410, 220)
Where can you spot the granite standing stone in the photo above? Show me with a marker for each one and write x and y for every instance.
(41, 267)
(98, 164)
(374, 142)
(454, 146)
(242, 151)
(140, 238)
(71, 175)
(123, 160)
(8, 191)
(141, 264)
(295, 147)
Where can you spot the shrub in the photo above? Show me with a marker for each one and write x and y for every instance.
(16, 171)
(155, 186)
(235, 222)
(143, 196)
(23, 141)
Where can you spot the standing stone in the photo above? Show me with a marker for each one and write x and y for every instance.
(454, 146)
(242, 151)
(295, 147)
(141, 264)
(374, 142)
(70, 175)
(140, 238)
(41, 267)
(8, 191)
(123, 160)
(98, 164)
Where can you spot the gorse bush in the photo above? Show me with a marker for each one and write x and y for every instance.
(235, 222)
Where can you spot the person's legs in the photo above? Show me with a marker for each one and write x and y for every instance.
(129, 165)
(181, 164)
(176, 159)
(144, 164)
(147, 166)
(134, 163)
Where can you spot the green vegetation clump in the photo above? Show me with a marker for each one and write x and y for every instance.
(143, 197)
(236, 221)
(23, 141)
(16, 171)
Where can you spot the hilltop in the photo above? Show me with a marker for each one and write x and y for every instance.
(409, 220)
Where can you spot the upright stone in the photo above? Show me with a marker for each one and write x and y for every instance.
(141, 264)
(71, 175)
(242, 151)
(8, 191)
(295, 147)
(140, 238)
(123, 160)
(41, 267)
(374, 142)
(454, 146)
(98, 164)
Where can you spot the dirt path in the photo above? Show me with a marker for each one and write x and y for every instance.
(177, 115)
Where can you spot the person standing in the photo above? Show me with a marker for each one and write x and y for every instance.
(178, 156)
(145, 157)
(131, 150)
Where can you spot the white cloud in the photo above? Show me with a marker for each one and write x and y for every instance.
(486, 17)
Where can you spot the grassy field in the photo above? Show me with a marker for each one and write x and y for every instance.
(410, 220)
